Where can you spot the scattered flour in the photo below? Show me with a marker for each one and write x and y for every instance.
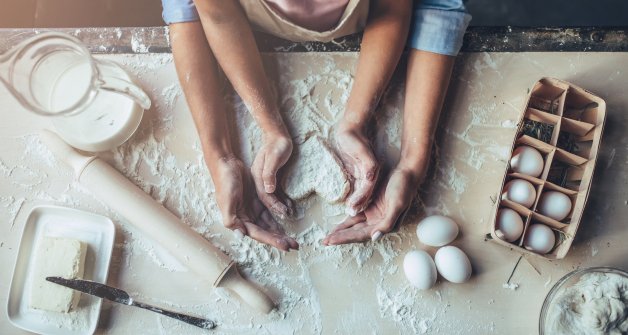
(509, 124)
(510, 286)
(12, 206)
(171, 93)
(594, 250)
(487, 62)
(137, 44)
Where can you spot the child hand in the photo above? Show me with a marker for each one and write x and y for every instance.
(382, 215)
(242, 210)
(270, 158)
(359, 161)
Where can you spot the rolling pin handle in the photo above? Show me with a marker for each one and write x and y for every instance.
(248, 292)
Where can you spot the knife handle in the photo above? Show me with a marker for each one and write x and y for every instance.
(199, 322)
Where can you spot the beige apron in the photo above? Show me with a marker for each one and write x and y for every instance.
(264, 18)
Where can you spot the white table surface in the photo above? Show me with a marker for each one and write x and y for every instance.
(339, 291)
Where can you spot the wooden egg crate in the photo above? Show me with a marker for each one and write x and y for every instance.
(564, 123)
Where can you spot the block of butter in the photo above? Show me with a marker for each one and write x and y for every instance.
(60, 257)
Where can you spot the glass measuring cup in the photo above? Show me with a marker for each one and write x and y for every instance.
(37, 69)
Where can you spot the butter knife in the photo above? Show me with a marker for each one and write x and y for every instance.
(121, 297)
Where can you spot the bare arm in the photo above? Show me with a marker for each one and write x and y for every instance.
(384, 38)
(200, 80)
(383, 42)
(426, 85)
(199, 77)
(230, 38)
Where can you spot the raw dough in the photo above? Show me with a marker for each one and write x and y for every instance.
(314, 168)
(57, 257)
(597, 304)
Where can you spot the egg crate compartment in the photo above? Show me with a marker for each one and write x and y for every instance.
(572, 195)
(567, 170)
(564, 231)
(540, 125)
(546, 150)
(574, 137)
(560, 237)
(556, 114)
(525, 215)
(529, 217)
(548, 96)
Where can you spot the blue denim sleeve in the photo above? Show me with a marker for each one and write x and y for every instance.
(438, 26)
(176, 11)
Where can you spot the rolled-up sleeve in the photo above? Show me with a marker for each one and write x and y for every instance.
(438, 26)
(176, 11)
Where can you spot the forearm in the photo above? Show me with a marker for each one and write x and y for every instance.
(427, 80)
(230, 38)
(199, 77)
(382, 44)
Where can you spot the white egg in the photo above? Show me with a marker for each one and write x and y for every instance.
(437, 230)
(520, 191)
(509, 224)
(555, 205)
(453, 264)
(527, 160)
(420, 269)
(539, 238)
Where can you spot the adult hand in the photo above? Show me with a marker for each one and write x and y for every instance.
(242, 210)
(359, 161)
(271, 157)
(381, 216)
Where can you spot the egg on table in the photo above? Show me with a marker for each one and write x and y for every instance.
(520, 191)
(453, 264)
(509, 224)
(437, 230)
(527, 160)
(539, 238)
(555, 205)
(419, 269)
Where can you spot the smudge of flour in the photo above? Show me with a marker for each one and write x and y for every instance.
(509, 124)
(137, 44)
(510, 286)
(171, 93)
(12, 206)
(487, 62)
(594, 250)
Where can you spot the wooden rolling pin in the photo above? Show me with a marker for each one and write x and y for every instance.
(156, 222)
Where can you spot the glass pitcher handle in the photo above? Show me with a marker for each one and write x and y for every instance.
(113, 83)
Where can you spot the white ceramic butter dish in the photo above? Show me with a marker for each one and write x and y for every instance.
(98, 232)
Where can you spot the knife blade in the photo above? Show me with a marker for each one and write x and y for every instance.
(94, 288)
(122, 297)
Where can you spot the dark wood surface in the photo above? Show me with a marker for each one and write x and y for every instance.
(477, 39)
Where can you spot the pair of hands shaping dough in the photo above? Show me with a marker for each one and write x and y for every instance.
(369, 220)
(247, 198)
